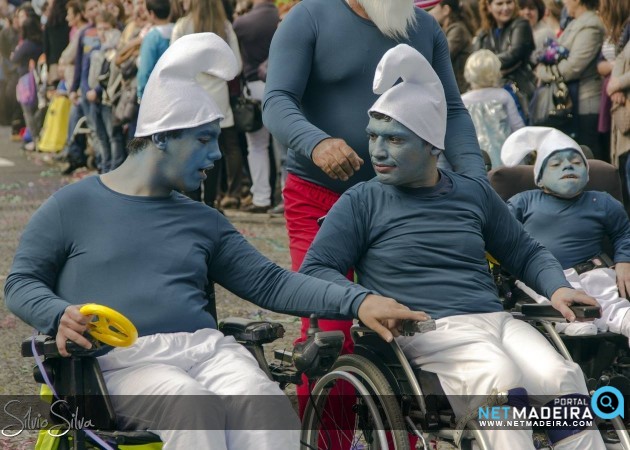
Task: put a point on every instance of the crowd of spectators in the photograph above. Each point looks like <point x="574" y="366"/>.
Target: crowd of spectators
<point x="79" y="68"/>
<point x="98" y="54"/>
<point x="593" y="34"/>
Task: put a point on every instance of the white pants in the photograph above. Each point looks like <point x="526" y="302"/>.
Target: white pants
<point x="258" y="154"/>
<point x="199" y="390"/>
<point x="602" y="285"/>
<point x="473" y="355"/>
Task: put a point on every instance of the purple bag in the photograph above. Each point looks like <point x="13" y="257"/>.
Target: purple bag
<point x="26" y="90"/>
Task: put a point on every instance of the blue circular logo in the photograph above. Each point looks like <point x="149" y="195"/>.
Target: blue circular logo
<point x="608" y="402"/>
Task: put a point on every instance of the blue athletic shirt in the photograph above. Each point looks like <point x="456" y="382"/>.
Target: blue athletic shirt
<point x="426" y="247"/>
<point x="573" y="229"/>
<point x="149" y="258"/>
<point x="319" y="84"/>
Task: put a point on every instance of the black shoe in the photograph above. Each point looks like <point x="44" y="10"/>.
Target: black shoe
<point x="68" y="168"/>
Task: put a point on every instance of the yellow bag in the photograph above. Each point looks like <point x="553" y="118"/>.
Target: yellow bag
<point x="55" y="131"/>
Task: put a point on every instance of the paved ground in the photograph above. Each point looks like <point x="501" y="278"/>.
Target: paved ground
<point x="26" y="180"/>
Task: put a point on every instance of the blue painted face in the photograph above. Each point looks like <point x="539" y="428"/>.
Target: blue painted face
<point x="399" y="156"/>
<point x="188" y="155"/>
<point x="564" y="174"/>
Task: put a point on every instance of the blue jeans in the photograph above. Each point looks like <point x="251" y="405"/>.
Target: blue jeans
<point x="115" y="138"/>
<point x="102" y="146"/>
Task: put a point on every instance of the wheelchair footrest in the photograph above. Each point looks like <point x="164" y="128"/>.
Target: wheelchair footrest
<point x="253" y="331"/>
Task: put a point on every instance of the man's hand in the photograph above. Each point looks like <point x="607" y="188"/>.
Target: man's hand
<point x="565" y="297"/>
<point x="74" y="97"/>
<point x="71" y="327"/>
<point x="384" y="315"/>
<point x="623" y="278"/>
<point x="336" y="159"/>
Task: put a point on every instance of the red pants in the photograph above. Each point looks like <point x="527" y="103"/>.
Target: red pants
<point x="304" y="203"/>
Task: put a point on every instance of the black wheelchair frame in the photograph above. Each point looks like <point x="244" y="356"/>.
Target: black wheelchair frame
<point x="79" y="382"/>
<point x="393" y="401"/>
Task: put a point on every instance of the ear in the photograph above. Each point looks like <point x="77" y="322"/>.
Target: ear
<point x="159" y="140"/>
<point x="434" y="151"/>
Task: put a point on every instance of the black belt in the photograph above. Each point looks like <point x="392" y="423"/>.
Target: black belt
<point x="597" y="262"/>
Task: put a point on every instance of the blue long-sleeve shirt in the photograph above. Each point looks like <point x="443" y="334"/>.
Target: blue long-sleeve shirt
<point x="426" y="247"/>
<point x="26" y="51"/>
<point x="573" y="229"/>
<point x="151" y="259"/>
<point x="153" y="46"/>
<point x="88" y="41"/>
<point x="319" y="84"/>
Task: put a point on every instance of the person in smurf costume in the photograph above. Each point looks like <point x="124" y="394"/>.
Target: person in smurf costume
<point x="128" y="239"/>
<point x="572" y="223"/>
<point x="420" y="234"/>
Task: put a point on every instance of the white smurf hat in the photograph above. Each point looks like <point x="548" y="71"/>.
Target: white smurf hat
<point x="173" y="99"/>
<point x="544" y="140"/>
<point x="418" y="101"/>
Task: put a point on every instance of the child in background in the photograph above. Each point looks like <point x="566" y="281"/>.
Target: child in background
<point x="491" y="107"/>
<point x="571" y="223"/>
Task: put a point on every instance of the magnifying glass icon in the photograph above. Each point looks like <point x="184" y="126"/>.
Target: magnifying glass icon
<point x="605" y="401"/>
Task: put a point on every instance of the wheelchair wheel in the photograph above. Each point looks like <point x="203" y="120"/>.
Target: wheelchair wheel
<point x="378" y="421"/>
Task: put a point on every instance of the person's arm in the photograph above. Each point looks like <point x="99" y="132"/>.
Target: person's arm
<point x="618" y="229"/>
<point x="462" y="147"/>
<point x="516" y="121"/>
<point x="23" y="53"/>
<point x="585" y="48"/>
<point x="521" y="255"/>
<point x="340" y="242"/>
<point x="457" y="39"/>
<point x="178" y="29"/>
<point x="232" y="41"/>
<point x="78" y="61"/>
<point x="46" y="43"/>
<point x="620" y="80"/>
<point x="516" y="205"/>
<point x="290" y="60"/>
<point x="148" y="60"/>
<point x="40" y="256"/>
<point x="522" y="46"/>
<point x="241" y="269"/>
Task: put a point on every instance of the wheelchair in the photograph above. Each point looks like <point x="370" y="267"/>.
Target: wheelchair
<point x="605" y="354"/>
<point x="75" y="388"/>
<point x="392" y="401"/>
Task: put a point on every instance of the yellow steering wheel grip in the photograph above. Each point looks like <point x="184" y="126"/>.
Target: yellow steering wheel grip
<point x="109" y="326"/>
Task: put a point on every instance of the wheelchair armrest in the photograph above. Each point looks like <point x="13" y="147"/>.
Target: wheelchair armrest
<point x="549" y="312"/>
<point x="251" y="331"/>
<point x="44" y="346"/>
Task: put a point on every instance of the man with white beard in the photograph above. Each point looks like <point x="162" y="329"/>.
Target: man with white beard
<point x="319" y="85"/>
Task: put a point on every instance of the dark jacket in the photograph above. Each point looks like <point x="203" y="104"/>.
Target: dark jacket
<point x="513" y="45"/>
<point x="56" y="39"/>
<point x="254" y="31"/>
<point x="459" y="46"/>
